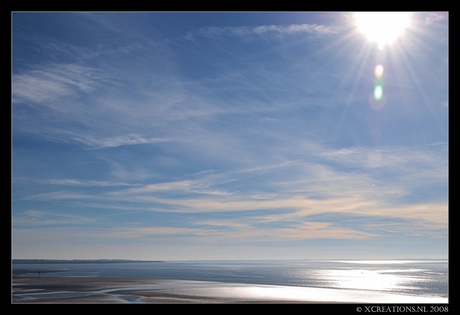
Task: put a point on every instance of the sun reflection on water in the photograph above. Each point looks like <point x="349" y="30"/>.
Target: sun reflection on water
<point x="365" y="279"/>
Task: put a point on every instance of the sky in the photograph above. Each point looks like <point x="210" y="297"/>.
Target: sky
<point x="228" y="135"/>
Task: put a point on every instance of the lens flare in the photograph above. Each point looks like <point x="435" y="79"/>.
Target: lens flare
<point x="378" y="71"/>
<point x="378" y="87"/>
<point x="378" y="92"/>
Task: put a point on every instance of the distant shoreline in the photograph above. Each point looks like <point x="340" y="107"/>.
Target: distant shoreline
<point x="79" y="261"/>
<point x="72" y="261"/>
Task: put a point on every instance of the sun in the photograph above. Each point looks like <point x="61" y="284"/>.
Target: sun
<point x="382" y="27"/>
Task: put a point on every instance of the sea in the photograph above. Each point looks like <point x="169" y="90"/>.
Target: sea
<point x="349" y="281"/>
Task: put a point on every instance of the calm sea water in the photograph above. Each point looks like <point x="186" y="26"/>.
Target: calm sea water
<point x="416" y="278"/>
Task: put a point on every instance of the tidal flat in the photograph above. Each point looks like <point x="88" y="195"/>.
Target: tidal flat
<point x="95" y="290"/>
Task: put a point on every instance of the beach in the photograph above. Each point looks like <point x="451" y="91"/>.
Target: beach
<point x="99" y="290"/>
<point x="114" y="290"/>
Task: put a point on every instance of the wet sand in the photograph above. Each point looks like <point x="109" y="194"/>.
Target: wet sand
<point x="97" y="290"/>
<point x="59" y="290"/>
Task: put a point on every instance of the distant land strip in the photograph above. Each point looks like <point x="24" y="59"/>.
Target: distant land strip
<point x="78" y="261"/>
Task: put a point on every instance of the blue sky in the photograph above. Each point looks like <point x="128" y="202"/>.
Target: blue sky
<point x="218" y="135"/>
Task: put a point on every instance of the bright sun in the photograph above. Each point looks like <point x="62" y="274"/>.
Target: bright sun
<point x="382" y="27"/>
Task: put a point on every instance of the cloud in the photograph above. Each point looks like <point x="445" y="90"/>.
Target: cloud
<point x="406" y="227"/>
<point x="251" y="230"/>
<point x="75" y="104"/>
<point x="55" y="81"/>
<point x="200" y="186"/>
<point x="263" y="30"/>
<point x="292" y="209"/>
<point x="330" y="181"/>
<point x="212" y="232"/>
<point x="39" y="218"/>
<point x="83" y="183"/>
<point x="174" y="186"/>
<point x="150" y="231"/>
<point x="94" y="142"/>
<point x="245" y="219"/>
<point x="434" y="17"/>
<point x="58" y="195"/>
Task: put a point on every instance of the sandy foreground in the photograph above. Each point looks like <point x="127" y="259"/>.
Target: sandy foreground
<point x="59" y="290"/>
<point x="96" y="290"/>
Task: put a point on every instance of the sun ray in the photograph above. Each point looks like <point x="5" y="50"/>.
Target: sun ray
<point x="406" y="64"/>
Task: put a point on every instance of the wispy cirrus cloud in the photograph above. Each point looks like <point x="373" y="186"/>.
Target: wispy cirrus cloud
<point x="83" y="183"/>
<point x="94" y="142"/>
<point x="47" y="84"/>
<point x="203" y="185"/>
<point x="303" y="229"/>
<point x="434" y="17"/>
<point x="263" y="30"/>
<point x="245" y="218"/>
<point x="58" y="196"/>
<point x="251" y="233"/>
<point x="295" y="189"/>
<point x="275" y="210"/>
<point x="48" y="218"/>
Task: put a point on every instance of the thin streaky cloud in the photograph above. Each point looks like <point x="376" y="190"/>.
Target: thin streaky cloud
<point x="292" y="230"/>
<point x="301" y="207"/>
<point x="54" y="81"/>
<point x="175" y="186"/>
<point x="94" y="142"/>
<point x="335" y="189"/>
<point x="301" y="231"/>
<point x="57" y="195"/>
<point x="263" y="30"/>
<point x="409" y="227"/>
<point x="40" y="218"/>
<point x="434" y="17"/>
<point x="84" y="183"/>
